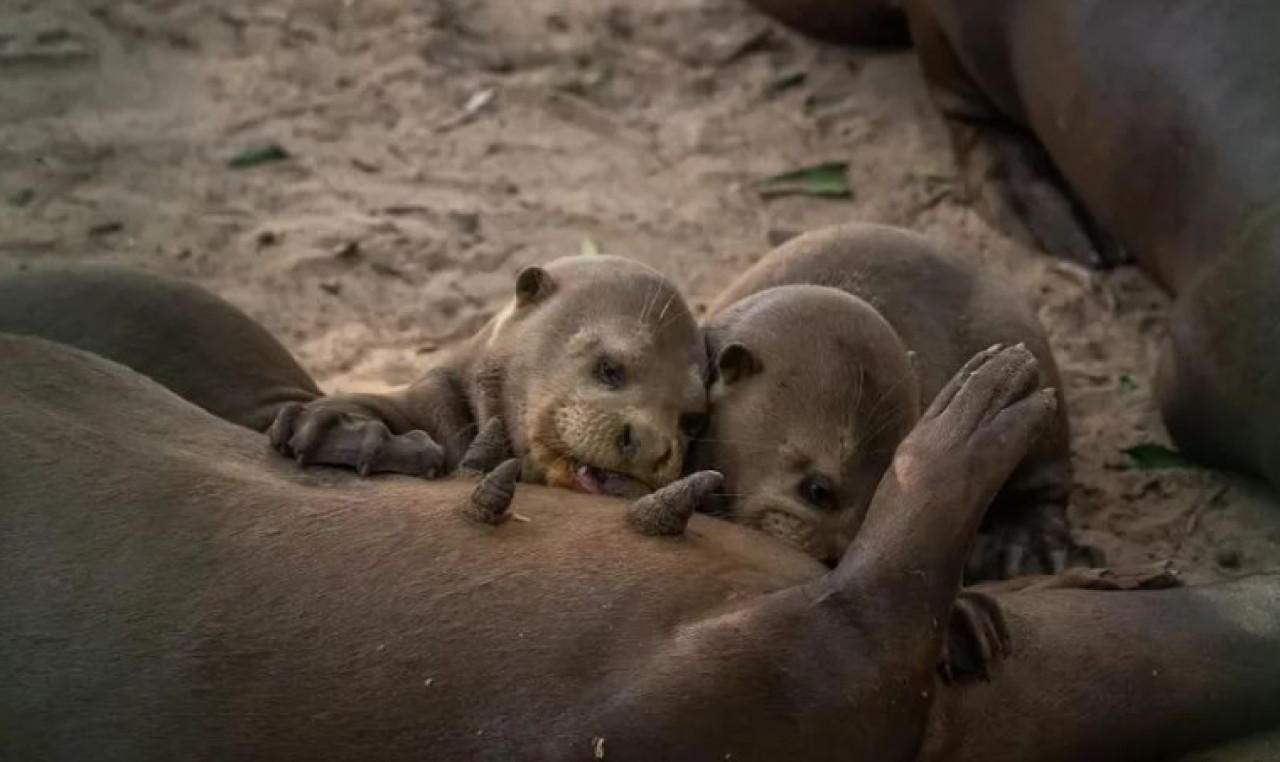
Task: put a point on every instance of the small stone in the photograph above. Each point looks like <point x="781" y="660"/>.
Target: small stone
<point x="467" y="223"/>
<point x="557" y="23"/>
<point x="268" y="238"/>
<point x="348" y="252"/>
<point x="330" y="286"/>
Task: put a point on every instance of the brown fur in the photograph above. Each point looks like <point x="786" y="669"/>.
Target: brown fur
<point x="199" y="346"/>
<point x="170" y="590"/>
<point x="1160" y="117"/>
<point x="851" y="327"/>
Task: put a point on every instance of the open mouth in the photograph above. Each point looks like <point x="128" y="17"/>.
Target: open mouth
<point x="598" y="481"/>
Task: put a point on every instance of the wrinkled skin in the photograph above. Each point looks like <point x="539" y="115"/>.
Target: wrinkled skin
<point x="845" y="331"/>
<point x="594" y="368"/>
<point x="172" y="590"/>
<point x="1098" y="130"/>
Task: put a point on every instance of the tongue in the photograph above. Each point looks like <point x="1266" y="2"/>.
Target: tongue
<point x="600" y="482"/>
<point x="585" y="478"/>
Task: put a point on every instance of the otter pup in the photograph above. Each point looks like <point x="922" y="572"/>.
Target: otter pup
<point x="824" y="352"/>
<point x="594" y="369"/>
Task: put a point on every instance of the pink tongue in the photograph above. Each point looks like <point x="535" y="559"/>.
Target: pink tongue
<point x="586" y="480"/>
<point x="599" y="482"/>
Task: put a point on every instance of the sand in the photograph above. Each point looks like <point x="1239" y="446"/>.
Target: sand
<point x="435" y="150"/>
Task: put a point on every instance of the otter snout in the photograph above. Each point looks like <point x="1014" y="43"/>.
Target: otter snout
<point x="650" y="449"/>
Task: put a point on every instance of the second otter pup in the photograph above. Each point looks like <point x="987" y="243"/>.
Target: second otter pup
<point x="826" y="351"/>
<point x="595" y="368"/>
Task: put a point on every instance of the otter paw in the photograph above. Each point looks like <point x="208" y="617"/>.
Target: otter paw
<point x="976" y="431"/>
<point x="990" y="409"/>
<point x="977" y="638"/>
<point x="321" y="435"/>
<point x="1035" y="540"/>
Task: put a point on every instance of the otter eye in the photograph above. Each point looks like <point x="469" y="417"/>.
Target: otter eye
<point x="693" y="424"/>
<point x="818" y="491"/>
<point x="609" y="373"/>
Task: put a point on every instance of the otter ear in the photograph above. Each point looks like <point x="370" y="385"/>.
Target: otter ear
<point x="533" y="285"/>
<point x="736" y="363"/>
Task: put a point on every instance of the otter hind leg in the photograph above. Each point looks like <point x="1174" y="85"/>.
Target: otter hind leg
<point x="1004" y="172"/>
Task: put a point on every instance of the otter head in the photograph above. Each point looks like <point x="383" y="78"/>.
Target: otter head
<point x="601" y="365"/>
<point x="811" y="392"/>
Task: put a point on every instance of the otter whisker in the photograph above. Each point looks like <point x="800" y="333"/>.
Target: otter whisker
<point x="650" y="298"/>
<point x="741" y="442"/>
<point x="884" y="395"/>
<point x="662" y="314"/>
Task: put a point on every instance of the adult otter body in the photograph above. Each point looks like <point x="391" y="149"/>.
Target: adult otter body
<point x="170" y="589"/>
<point x="594" y="368"/>
<point x="1160" y="117"/>
<point x="825" y="350"/>
<point x="866" y="22"/>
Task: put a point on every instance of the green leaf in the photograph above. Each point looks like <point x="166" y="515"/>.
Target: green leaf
<point x="826" y="180"/>
<point x="589" y="248"/>
<point x="1127" y="384"/>
<point x="254" y="156"/>
<point x="1150" y="456"/>
<point x="52" y="36"/>
<point x="22" y="197"/>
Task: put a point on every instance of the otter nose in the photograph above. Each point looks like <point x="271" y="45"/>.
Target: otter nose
<point x="628" y="443"/>
<point x="646" y="446"/>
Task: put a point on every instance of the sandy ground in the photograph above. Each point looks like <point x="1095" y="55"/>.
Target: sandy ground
<point x="434" y="151"/>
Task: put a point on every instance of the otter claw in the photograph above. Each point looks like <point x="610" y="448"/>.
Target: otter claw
<point x="1032" y="540"/>
<point x="281" y="429"/>
<point x="375" y="438"/>
<point x="331" y="436"/>
<point x="488" y="450"/>
<point x="666" y="513"/>
<point x="490" y="501"/>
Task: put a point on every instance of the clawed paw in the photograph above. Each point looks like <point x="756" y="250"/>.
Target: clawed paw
<point x="1031" y="540"/>
<point x="319" y="434"/>
<point x="978" y="428"/>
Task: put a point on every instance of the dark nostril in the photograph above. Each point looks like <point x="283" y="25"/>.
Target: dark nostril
<point x="664" y="459"/>
<point x="627" y="440"/>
